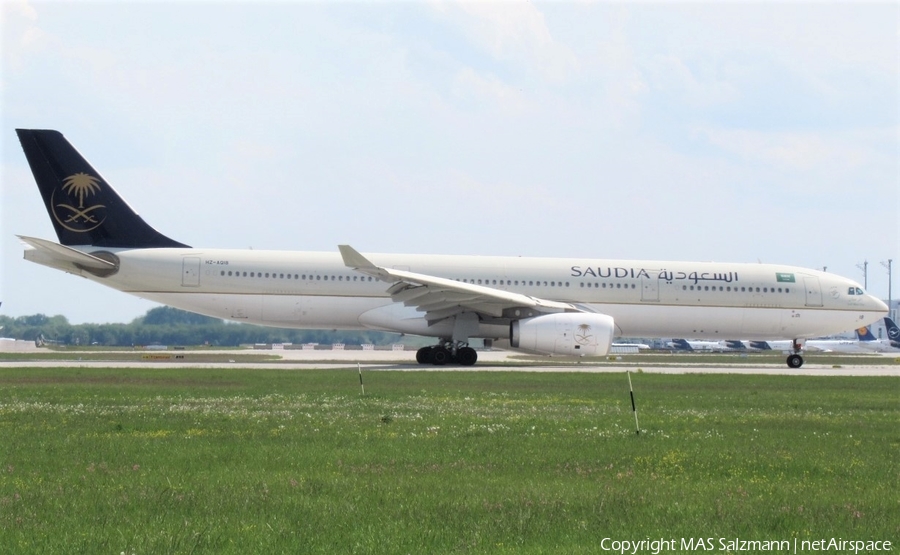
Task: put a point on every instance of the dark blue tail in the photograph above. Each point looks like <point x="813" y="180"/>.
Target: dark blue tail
<point x="893" y="332"/>
<point x="83" y="207"/>
<point x="681" y="345"/>
<point x="865" y="334"/>
<point x="761" y="345"/>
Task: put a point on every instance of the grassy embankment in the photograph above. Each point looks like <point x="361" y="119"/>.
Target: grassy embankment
<point x="259" y="461"/>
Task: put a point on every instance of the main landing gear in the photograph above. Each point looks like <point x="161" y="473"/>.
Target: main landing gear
<point x="795" y="360"/>
<point x="447" y="353"/>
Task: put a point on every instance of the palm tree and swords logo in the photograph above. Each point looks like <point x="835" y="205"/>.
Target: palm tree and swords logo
<point x="79" y="218"/>
<point x="583" y="335"/>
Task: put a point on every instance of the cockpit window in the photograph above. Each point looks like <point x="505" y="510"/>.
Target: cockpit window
<point x="859" y="291"/>
<point x="855" y="291"/>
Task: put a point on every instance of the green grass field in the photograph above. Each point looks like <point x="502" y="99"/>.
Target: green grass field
<point x="285" y="461"/>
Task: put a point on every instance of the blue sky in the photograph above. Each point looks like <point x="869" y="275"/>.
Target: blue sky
<point x="735" y="131"/>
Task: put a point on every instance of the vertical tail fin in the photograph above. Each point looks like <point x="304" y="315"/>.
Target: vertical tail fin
<point x="865" y="334"/>
<point x="681" y="345"/>
<point x="83" y="207"/>
<point x="893" y="332"/>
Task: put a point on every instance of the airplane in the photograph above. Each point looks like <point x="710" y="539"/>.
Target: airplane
<point x="629" y="345"/>
<point x="869" y="342"/>
<point x="549" y="306"/>
<point x="696" y="345"/>
<point x="865" y="342"/>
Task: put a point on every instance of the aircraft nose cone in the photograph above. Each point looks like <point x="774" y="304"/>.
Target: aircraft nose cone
<point x="879" y="305"/>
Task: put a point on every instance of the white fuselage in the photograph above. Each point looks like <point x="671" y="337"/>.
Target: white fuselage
<point x="645" y="298"/>
<point x="837" y="346"/>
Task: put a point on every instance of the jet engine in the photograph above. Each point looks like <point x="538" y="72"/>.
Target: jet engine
<point x="570" y="333"/>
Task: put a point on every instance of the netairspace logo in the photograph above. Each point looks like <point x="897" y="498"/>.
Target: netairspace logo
<point x="733" y="545"/>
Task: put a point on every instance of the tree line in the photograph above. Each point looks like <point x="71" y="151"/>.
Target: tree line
<point x="170" y="326"/>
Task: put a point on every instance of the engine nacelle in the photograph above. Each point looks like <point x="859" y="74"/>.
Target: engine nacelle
<point x="570" y="333"/>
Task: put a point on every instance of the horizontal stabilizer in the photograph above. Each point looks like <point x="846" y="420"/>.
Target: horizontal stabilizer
<point x="62" y="253"/>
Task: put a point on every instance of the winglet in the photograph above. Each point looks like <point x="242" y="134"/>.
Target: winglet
<point x="352" y="258"/>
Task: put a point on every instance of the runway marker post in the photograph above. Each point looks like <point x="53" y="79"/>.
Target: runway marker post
<point x="637" y="429"/>
<point x="361" y="386"/>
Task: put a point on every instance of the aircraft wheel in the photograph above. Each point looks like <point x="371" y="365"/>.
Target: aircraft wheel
<point x="794" y="361"/>
<point x="425" y="355"/>
<point x="467" y="356"/>
<point x="440" y="356"/>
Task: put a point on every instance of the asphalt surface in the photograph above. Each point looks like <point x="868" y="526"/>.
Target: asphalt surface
<point x="488" y="361"/>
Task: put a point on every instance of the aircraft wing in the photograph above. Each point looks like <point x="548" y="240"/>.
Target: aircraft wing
<point x="442" y="298"/>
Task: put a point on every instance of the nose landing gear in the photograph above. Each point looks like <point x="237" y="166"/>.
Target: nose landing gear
<point x="795" y="360"/>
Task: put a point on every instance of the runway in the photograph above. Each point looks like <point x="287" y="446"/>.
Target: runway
<point x="488" y="361"/>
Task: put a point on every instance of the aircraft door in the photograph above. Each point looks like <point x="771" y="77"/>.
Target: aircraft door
<point x="813" y="291"/>
<point x="190" y="274"/>
<point x="650" y="287"/>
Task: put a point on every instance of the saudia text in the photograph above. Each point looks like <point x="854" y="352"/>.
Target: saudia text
<point x="638" y="273"/>
<point x="732" y="545"/>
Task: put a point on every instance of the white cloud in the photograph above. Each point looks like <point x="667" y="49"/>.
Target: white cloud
<point x="670" y="75"/>
<point x="793" y="150"/>
<point x="490" y="90"/>
<point x="21" y="34"/>
<point x="514" y="32"/>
